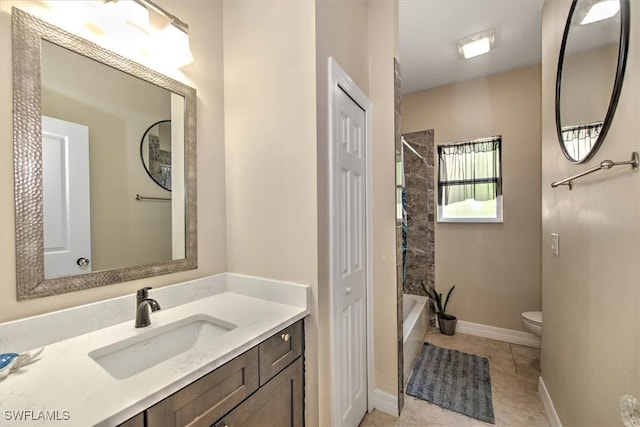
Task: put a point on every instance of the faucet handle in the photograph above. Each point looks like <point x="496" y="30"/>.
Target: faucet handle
<point x="143" y="292"/>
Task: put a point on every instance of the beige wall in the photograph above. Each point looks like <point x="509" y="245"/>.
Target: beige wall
<point x="277" y="168"/>
<point x="205" y="74"/>
<point x="495" y="267"/>
<point x="341" y="33"/>
<point x="585" y="106"/>
<point x="341" y="29"/>
<point x="270" y="123"/>
<point x="383" y="47"/>
<point x="591" y="292"/>
<point x="361" y="36"/>
<point x="270" y="137"/>
<point x="124" y="232"/>
<point x="274" y="117"/>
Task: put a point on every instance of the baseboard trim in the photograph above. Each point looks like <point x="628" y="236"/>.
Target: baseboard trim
<point x="500" y="334"/>
<point x="385" y="402"/>
<point x="552" y="415"/>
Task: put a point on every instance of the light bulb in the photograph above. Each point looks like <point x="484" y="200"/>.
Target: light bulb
<point x="477" y="44"/>
<point x="174" y="45"/>
<point x="476" y="48"/>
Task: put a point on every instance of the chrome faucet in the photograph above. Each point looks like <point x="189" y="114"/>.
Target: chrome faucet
<point x="143" y="304"/>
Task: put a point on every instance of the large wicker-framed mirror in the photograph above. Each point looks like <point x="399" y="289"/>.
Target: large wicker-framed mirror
<point x="67" y="89"/>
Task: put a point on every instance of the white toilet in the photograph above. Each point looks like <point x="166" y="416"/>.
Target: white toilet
<point x="532" y="322"/>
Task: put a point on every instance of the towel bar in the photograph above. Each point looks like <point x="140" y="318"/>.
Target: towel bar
<point x="606" y="164"/>
<point x="158" y="199"/>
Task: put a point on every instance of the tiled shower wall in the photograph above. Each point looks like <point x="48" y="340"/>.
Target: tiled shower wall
<point x="397" y="100"/>
<point x="419" y="187"/>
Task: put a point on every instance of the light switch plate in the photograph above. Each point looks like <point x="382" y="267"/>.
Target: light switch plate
<point x="555" y="244"/>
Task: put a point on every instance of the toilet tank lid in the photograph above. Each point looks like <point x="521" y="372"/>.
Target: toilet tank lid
<point x="533" y="316"/>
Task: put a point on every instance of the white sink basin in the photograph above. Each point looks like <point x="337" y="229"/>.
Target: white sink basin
<point x="136" y="354"/>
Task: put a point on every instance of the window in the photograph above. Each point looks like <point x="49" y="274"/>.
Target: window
<point x="579" y="140"/>
<point x="470" y="181"/>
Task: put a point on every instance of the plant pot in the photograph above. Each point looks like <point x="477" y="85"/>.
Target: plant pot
<point x="447" y="324"/>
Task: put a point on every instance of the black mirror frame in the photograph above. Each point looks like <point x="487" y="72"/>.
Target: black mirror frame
<point x="617" y="85"/>
<point x="146" y="168"/>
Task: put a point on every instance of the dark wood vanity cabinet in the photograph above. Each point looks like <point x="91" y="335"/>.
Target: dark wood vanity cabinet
<point x="278" y="403"/>
<point x="277" y="352"/>
<point x="206" y="400"/>
<point x="261" y="387"/>
<point x="137" y="421"/>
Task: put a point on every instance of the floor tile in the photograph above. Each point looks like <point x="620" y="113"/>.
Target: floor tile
<point x="514" y="371"/>
<point x="527" y="360"/>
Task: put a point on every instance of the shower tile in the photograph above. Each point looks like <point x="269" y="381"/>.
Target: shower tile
<point x="419" y="205"/>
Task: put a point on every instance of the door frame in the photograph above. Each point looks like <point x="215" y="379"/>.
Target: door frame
<point x="340" y="80"/>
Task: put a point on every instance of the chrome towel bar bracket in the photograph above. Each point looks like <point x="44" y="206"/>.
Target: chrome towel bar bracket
<point x="606" y="164"/>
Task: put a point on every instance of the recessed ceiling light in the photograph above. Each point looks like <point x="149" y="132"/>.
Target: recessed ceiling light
<point x="601" y="11"/>
<point x="477" y="44"/>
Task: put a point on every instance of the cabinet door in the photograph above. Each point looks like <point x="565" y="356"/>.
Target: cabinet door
<point x="279" y="351"/>
<point x="137" y="421"/>
<point x="203" y="402"/>
<point x="277" y="404"/>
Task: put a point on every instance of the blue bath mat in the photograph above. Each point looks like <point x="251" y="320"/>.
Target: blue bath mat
<point x="453" y="380"/>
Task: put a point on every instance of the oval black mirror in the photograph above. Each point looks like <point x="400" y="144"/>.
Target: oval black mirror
<point x="155" y="153"/>
<point x="591" y="69"/>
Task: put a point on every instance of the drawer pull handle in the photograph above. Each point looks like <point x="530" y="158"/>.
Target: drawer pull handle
<point x="285" y="337"/>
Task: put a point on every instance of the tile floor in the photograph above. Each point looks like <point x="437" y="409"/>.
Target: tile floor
<point x="514" y="382"/>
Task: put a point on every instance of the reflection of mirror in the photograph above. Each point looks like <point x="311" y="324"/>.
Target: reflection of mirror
<point x="108" y="104"/>
<point x="590" y="73"/>
<point x="155" y="152"/>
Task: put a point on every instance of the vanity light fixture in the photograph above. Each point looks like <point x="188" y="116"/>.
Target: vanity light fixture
<point x="600" y="11"/>
<point x="130" y="12"/>
<point x="165" y="33"/>
<point x="174" y="40"/>
<point x="477" y="44"/>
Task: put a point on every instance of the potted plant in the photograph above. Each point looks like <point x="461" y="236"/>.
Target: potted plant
<point x="447" y="322"/>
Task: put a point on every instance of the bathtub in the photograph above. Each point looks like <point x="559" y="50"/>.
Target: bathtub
<point x="414" y="328"/>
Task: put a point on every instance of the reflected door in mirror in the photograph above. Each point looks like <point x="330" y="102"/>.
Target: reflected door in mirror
<point x="66" y="211"/>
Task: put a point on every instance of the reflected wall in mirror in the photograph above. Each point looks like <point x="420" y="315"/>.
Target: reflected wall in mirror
<point x="79" y="111"/>
<point x="590" y="74"/>
<point x="155" y="153"/>
<point x="114" y="107"/>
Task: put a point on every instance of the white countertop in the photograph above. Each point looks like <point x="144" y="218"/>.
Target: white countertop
<point x="65" y="378"/>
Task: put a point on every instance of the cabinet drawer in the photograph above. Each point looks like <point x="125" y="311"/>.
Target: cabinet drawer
<point x="209" y="398"/>
<point x="277" y="352"/>
<point x="277" y="404"/>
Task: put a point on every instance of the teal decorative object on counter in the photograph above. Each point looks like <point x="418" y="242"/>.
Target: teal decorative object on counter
<point x="11" y="362"/>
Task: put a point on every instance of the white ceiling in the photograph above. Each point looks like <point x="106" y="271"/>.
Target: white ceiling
<point x="429" y="30"/>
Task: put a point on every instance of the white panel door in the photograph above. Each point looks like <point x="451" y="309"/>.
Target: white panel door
<point x="351" y="262"/>
<point x="66" y="211"/>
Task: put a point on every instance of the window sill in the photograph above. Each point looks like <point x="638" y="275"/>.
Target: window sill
<point x="471" y="220"/>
